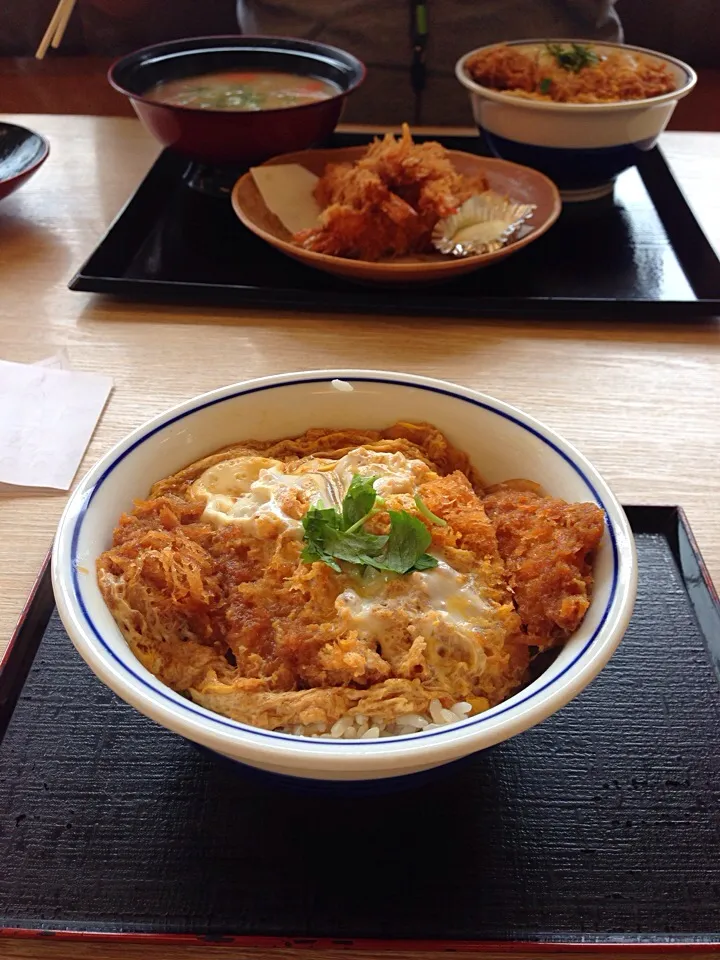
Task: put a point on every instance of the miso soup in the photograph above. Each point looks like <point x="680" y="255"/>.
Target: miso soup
<point x="245" y="91"/>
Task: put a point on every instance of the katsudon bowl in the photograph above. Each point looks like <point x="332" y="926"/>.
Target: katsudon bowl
<point x="582" y="147"/>
<point x="502" y="442"/>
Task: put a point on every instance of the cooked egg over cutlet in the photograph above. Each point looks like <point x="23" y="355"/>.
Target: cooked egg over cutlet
<point x="207" y="582"/>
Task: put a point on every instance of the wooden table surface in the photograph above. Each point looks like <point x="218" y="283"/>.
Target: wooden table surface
<point x="641" y="401"/>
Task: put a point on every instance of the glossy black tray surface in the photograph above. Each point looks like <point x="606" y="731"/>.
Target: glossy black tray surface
<point x="599" y="827"/>
<point x="639" y="254"/>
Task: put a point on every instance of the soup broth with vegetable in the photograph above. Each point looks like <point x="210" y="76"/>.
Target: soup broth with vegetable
<point x="243" y="91"/>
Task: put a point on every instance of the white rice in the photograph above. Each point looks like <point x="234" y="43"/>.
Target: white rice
<point x="361" y="727"/>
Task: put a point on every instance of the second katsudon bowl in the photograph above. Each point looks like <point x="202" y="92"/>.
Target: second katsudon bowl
<point x="233" y="99"/>
<point x="498" y="440"/>
<point x="580" y="111"/>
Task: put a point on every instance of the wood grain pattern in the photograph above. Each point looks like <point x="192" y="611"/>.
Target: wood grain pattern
<point x="642" y="402"/>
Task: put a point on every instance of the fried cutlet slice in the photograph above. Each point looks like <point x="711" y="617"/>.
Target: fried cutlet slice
<point x="470" y="544"/>
<point x="504" y="68"/>
<point x="548" y="547"/>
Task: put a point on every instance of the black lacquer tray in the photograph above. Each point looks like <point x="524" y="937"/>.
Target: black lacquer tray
<point x="597" y="829"/>
<point x="640" y="254"/>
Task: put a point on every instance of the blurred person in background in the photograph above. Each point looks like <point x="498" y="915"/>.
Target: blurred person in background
<point x="409" y="46"/>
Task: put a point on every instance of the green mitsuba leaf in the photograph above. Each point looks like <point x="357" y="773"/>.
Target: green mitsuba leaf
<point x="408" y="540"/>
<point x="359" y="500"/>
<point x="331" y="535"/>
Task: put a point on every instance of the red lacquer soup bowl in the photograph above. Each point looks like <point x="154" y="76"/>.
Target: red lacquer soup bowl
<point x="233" y="136"/>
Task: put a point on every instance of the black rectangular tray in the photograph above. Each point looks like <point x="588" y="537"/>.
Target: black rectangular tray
<point x="640" y="254"/>
<point x="598" y="829"/>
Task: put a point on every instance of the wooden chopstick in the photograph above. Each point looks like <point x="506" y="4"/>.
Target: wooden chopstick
<point x="50" y="32"/>
<point x="62" y="26"/>
<point x="56" y="28"/>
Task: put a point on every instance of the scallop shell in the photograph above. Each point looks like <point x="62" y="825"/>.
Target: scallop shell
<point x="482" y="224"/>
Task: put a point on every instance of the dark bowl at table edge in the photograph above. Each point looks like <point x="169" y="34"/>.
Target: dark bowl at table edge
<point x="8" y="184"/>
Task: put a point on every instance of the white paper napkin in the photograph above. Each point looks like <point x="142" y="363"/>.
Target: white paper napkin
<point x="57" y="362"/>
<point x="47" y="417"/>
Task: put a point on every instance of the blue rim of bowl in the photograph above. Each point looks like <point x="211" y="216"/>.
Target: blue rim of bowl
<point x="291" y="738"/>
<point x="503" y="96"/>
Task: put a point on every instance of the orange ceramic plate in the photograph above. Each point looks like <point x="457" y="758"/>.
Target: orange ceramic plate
<point x="519" y="183"/>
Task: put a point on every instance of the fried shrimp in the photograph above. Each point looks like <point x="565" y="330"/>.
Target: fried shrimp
<point x="387" y="203"/>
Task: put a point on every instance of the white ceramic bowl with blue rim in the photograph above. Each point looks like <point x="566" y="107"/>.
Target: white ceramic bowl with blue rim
<point x="581" y="146"/>
<point x="502" y="441"/>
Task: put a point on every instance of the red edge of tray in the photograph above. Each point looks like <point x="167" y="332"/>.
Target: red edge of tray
<point x="20" y="626"/>
<point x="615" y="949"/>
